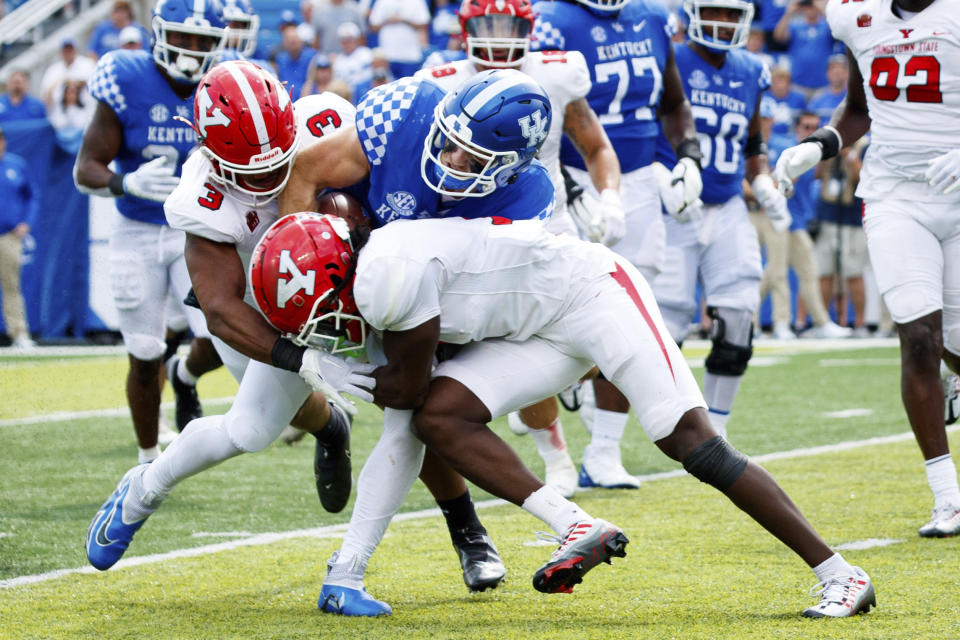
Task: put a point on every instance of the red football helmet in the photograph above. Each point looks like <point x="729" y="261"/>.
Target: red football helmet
<point x="301" y="275"/>
<point x="244" y="119"/>
<point x="497" y="32"/>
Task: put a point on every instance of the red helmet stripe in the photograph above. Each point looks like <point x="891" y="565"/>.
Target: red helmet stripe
<point x="251" y="99"/>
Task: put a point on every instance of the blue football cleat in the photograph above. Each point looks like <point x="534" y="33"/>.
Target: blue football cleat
<point x="108" y="535"/>
<point x="351" y="602"/>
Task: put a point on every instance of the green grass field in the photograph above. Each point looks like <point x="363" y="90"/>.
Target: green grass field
<point x="695" y="568"/>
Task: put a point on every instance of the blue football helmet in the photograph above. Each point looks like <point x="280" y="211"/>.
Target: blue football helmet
<point x="485" y="133"/>
<point x="244" y="23"/>
<point x="707" y="32"/>
<point x="178" y="22"/>
<point x="604" y="5"/>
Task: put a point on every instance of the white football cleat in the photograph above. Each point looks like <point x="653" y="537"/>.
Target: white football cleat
<point x="842" y="596"/>
<point x="829" y="329"/>
<point x="944" y="522"/>
<point x="602" y="468"/>
<point x="782" y="331"/>
<point x="516" y="424"/>
<point x="561" y="474"/>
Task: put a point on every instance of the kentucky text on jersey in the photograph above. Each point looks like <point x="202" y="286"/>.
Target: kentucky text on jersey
<point x="171" y="134"/>
<point x="713" y="99"/>
<point x="623" y="49"/>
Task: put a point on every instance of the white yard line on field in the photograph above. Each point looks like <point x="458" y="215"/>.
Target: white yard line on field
<point x="117" y="412"/>
<point x="335" y="530"/>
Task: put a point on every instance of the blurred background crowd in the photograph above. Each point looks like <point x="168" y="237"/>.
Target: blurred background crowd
<point x="48" y="49"/>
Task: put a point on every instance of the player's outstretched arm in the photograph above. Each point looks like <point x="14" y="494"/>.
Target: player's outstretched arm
<point x="675" y="113"/>
<point x="335" y="161"/>
<point x="220" y="283"/>
<point x="101" y="143"/>
<point x="758" y="175"/>
<point x="404" y="381"/>
<point x="851" y="118"/>
<point x="850" y="121"/>
<point x="581" y="125"/>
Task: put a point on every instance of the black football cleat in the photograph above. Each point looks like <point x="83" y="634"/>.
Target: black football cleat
<point x="331" y="461"/>
<point x="187" y="402"/>
<point x="585" y="545"/>
<point x="482" y="567"/>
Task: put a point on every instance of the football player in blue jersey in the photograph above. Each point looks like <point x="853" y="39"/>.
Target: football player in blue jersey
<point x="476" y="149"/>
<point x="719" y="248"/>
<point x="134" y="129"/>
<point x="635" y="86"/>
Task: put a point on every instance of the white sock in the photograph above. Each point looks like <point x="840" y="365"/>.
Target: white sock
<point x="184" y="374"/>
<point x="204" y="444"/>
<point x="383" y="484"/>
<point x="832" y="566"/>
<point x="608" y="428"/>
<point x="720" y="391"/>
<point x="942" y="478"/>
<point x="557" y="512"/>
<point x="148" y="455"/>
<point x="550" y="442"/>
<point x="719" y="422"/>
<point x="346" y="572"/>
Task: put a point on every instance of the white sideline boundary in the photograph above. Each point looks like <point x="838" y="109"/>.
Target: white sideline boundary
<point x="332" y="531"/>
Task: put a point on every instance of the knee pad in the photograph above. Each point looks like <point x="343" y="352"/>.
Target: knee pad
<point x="143" y="346"/>
<point x="247" y="431"/>
<point x="716" y="462"/>
<point x="731" y="329"/>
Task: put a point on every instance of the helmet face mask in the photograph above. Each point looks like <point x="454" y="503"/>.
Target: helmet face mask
<point x="604" y="5"/>
<point x="476" y="180"/>
<point x="187" y="37"/>
<point x="247" y="128"/>
<point x="709" y="31"/>
<point x="301" y="276"/>
<point x="496" y="32"/>
<point x="484" y="134"/>
<point x="244" y="25"/>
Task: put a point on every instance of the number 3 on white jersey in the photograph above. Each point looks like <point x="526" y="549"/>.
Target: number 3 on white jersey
<point x="620" y="68"/>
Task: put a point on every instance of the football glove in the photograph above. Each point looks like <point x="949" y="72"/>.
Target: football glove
<point x="615" y="221"/>
<point x="587" y="213"/>
<point x="671" y="196"/>
<point x="772" y="201"/>
<point x="944" y="172"/>
<point x="153" y="180"/>
<point x="332" y="376"/>
<point x="686" y="175"/>
<point x="794" y="162"/>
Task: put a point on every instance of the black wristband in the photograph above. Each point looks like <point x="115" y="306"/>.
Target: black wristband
<point x="690" y="148"/>
<point x="755" y="147"/>
<point x="828" y="139"/>
<point x="116" y="184"/>
<point x="286" y="355"/>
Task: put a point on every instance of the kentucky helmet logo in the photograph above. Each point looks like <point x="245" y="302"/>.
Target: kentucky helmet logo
<point x="533" y="128"/>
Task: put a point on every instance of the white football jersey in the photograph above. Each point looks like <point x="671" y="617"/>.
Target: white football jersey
<point x="564" y="77"/>
<point x="206" y="208"/>
<point x="485" y="279"/>
<point x="911" y="76"/>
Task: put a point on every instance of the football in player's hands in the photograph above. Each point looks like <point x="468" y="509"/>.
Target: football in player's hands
<point x="344" y="206"/>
